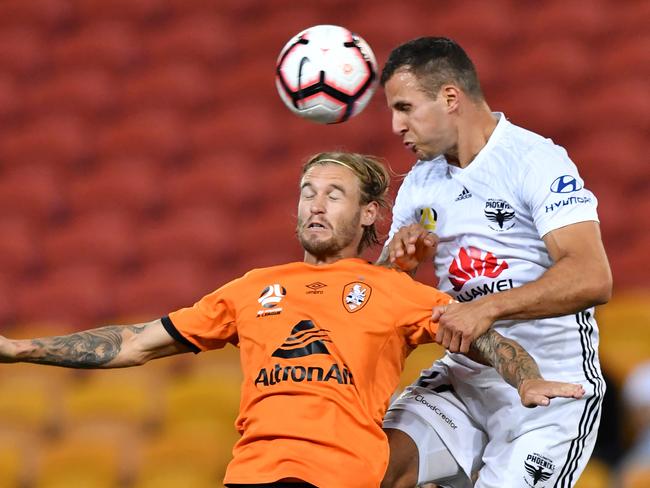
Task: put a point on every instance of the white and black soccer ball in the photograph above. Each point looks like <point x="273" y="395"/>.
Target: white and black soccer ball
<point x="326" y="74"/>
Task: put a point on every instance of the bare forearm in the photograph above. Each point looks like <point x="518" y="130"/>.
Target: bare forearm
<point x="506" y="356"/>
<point x="567" y="287"/>
<point x="97" y="348"/>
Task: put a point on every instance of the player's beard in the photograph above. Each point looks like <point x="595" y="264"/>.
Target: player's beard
<point x="342" y="236"/>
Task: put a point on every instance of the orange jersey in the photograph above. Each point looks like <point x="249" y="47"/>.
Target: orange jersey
<point x="322" y="349"/>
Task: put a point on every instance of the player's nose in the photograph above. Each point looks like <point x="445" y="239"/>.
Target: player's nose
<point x="399" y="125"/>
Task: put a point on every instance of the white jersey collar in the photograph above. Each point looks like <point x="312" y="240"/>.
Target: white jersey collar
<point x="484" y="153"/>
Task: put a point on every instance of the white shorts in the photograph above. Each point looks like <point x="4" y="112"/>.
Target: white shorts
<point x="480" y="419"/>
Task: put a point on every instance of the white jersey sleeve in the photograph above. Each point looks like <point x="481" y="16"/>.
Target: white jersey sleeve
<point x="554" y="191"/>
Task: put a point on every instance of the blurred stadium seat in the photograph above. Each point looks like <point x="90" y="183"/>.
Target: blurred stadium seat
<point x="88" y="92"/>
<point x="141" y="13"/>
<point x="161" y="287"/>
<point x="23" y="53"/>
<point x="90" y="460"/>
<point x="183" y="458"/>
<point x="636" y="477"/>
<point x="181" y="86"/>
<point x="30" y="192"/>
<point x="155" y="134"/>
<point x="224" y="180"/>
<point x="45" y="15"/>
<point x="584" y="19"/>
<point x="596" y="475"/>
<point x="625" y="333"/>
<point x="101" y="240"/>
<point x="202" y="234"/>
<point x="122" y="184"/>
<point x="202" y="40"/>
<point x="78" y="295"/>
<point x="116" y="46"/>
<point x="20" y="253"/>
<point x="47" y="144"/>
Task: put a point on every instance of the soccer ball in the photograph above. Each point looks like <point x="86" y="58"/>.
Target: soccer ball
<point x="326" y="74"/>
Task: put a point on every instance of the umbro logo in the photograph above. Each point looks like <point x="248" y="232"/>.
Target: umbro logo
<point x="464" y="195"/>
<point x="305" y="339"/>
<point x="315" y="288"/>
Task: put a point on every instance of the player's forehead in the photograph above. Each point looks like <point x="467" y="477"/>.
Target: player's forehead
<point x="403" y="87"/>
<point x="330" y="175"/>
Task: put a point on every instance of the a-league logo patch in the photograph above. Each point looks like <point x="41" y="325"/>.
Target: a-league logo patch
<point x="538" y="470"/>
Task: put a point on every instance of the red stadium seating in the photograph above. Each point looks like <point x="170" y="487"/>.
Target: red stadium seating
<point x="158" y="134"/>
<point x="31" y="192"/>
<point x="141" y="12"/>
<point x="102" y="240"/>
<point x="80" y="296"/>
<point x="88" y="92"/>
<point x="23" y="52"/>
<point x="46" y="15"/>
<point x="181" y="86"/>
<point x="161" y="287"/>
<point x="208" y="41"/>
<point x="127" y="185"/>
<point x="54" y="141"/>
<point x="192" y="233"/>
<point x="112" y="45"/>
<point x="222" y="180"/>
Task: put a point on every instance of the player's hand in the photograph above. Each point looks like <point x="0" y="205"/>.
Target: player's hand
<point x="410" y="246"/>
<point x="460" y="323"/>
<point x="539" y="392"/>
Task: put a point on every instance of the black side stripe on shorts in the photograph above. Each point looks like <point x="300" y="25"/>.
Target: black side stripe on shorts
<point x="592" y="405"/>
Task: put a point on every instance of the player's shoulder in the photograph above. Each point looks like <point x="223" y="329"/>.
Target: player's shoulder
<point x="426" y="172"/>
<point x="527" y="148"/>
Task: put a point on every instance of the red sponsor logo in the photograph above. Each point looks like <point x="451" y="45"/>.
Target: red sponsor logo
<point x="472" y="262"/>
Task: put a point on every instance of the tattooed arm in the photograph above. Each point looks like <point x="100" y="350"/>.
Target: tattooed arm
<point x="113" y="346"/>
<point x="519" y="369"/>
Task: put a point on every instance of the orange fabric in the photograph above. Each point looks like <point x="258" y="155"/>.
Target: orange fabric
<point x="322" y="349"/>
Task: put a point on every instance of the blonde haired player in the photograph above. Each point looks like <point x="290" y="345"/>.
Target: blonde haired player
<point x="322" y="341"/>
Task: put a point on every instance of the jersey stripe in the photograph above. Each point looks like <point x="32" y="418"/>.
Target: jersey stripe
<point x="591" y="412"/>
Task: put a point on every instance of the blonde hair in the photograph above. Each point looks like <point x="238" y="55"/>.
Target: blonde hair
<point x="374" y="180"/>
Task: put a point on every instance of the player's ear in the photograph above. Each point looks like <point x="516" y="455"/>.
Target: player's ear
<point x="369" y="213"/>
<point x="451" y="96"/>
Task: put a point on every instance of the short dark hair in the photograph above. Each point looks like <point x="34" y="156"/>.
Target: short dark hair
<point x="435" y="61"/>
<point x="374" y="180"/>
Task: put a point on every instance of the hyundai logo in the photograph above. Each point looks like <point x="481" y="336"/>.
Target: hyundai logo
<point x="565" y="184"/>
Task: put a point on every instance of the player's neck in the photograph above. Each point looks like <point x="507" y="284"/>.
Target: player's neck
<point x="328" y="259"/>
<point x="474" y="130"/>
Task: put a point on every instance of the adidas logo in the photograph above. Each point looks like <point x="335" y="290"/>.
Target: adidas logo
<point x="465" y="194"/>
<point x="305" y="339"/>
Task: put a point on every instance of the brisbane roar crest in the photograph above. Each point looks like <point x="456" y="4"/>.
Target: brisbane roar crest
<point x="355" y="296"/>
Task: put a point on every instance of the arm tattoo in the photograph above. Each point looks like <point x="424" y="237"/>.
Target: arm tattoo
<point x="88" y="349"/>
<point x="508" y="357"/>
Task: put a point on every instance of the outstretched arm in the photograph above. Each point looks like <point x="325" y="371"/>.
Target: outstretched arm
<point x="113" y="346"/>
<point x="520" y="370"/>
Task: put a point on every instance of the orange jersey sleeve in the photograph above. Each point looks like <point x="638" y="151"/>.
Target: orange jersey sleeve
<point x="210" y="323"/>
<point x="416" y="301"/>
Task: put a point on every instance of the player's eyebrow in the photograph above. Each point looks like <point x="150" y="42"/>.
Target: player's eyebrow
<point x="330" y="187"/>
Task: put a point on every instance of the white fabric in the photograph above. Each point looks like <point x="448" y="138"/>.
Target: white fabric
<point x="435" y="461"/>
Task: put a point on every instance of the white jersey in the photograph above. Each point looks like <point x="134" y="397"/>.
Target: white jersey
<point x="491" y="217"/>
